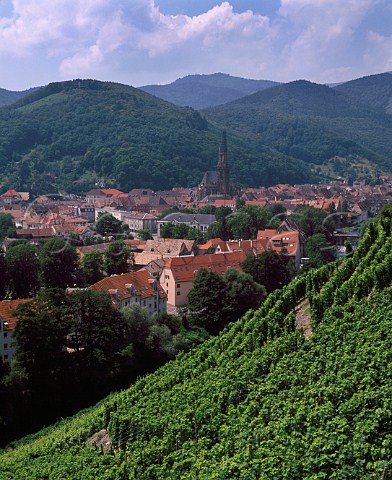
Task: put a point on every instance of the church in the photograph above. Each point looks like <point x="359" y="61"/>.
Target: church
<point x="216" y="184"/>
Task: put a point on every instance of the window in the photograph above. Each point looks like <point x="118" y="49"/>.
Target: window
<point x="5" y="346"/>
<point x="178" y="285"/>
<point x="5" y="334"/>
<point x="178" y="293"/>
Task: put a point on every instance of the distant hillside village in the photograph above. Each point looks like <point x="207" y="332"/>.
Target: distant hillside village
<point x="162" y="269"/>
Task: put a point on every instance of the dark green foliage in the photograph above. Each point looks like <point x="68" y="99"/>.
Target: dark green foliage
<point x="117" y="258"/>
<point x="70" y="134"/>
<point x="269" y="269"/>
<point x="310" y="122"/>
<point x="258" y="401"/>
<point x="98" y="333"/>
<point x="216" y="301"/>
<point x="40" y="335"/>
<point x="3" y="275"/>
<point x="23" y="270"/>
<point x="92" y="267"/>
<point x="8" y="96"/>
<point x="181" y="231"/>
<point x="206" y="301"/>
<point x="7" y="226"/>
<point x="106" y="225"/>
<point x="59" y="264"/>
<point x="373" y="90"/>
<point x="311" y="220"/>
<point x="144" y="234"/>
<point x="242" y="294"/>
<point x="319" y="250"/>
<point x="245" y="223"/>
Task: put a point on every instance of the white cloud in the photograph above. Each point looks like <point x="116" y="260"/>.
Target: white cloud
<point x="322" y="40"/>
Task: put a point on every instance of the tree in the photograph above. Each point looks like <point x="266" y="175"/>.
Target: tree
<point x="242" y="293"/>
<point x="220" y="229"/>
<point x="107" y="224"/>
<point x="59" y="264"/>
<point x="40" y="336"/>
<point x="3" y="275"/>
<point x="117" y="258"/>
<point x="245" y="223"/>
<point x="311" y="220"/>
<point x="97" y="333"/>
<point x="7" y="226"/>
<point x="144" y="234"/>
<point x="23" y="270"/>
<point x="92" y="267"/>
<point x="241" y="227"/>
<point x="269" y="269"/>
<point x="206" y="301"/>
<point x="167" y="230"/>
<point x="319" y="250"/>
<point x="152" y="342"/>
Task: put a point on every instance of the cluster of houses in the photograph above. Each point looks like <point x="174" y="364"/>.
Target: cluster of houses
<point x="163" y="270"/>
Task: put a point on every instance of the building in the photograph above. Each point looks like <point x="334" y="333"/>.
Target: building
<point x="217" y="182"/>
<point x="163" y="249"/>
<point x="134" y="288"/>
<point x="140" y="221"/>
<point x="287" y="242"/>
<point x="8" y="321"/>
<point x="179" y="273"/>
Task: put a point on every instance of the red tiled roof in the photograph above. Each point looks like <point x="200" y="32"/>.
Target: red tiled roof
<point x="111" y="191"/>
<point x="11" y="194"/>
<point x="7" y="309"/>
<point x="278" y="241"/>
<point x="35" y="232"/>
<point x="119" y="285"/>
<point x="184" y="269"/>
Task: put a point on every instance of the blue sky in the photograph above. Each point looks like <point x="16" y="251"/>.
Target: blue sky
<point x="139" y="42"/>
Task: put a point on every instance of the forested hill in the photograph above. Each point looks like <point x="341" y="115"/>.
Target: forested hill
<point x="202" y="91"/>
<point x="260" y="401"/>
<point x="373" y="90"/>
<point x="10" y="96"/>
<point x="311" y="122"/>
<point x="70" y="134"/>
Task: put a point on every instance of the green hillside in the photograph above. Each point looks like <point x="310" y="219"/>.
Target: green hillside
<point x="9" y="96"/>
<point x="203" y="91"/>
<point x="69" y="135"/>
<point x="373" y="90"/>
<point x="260" y="401"/>
<point x="311" y="122"/>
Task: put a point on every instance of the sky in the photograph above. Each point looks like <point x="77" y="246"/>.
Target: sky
<point x="142" y="42"/>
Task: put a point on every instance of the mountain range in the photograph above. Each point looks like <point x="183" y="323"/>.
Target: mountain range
<point x="73" y="134"/>
<point x="8" y="96"/>
<point x="202" y="91"/>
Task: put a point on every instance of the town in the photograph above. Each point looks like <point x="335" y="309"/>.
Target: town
<point x="162" y="270"/>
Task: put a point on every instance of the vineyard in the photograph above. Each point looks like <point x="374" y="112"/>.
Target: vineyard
<point x="257" y="402"/>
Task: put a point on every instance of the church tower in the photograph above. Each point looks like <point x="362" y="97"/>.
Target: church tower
<point x="222" y="169"/>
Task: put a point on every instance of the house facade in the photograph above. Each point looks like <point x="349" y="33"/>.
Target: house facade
<point x="7" y="325"/>
<point x="179" y="273"/>
<point x="134" y="287"/>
